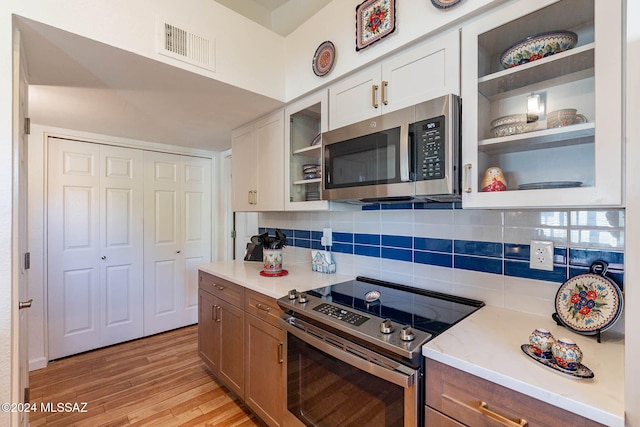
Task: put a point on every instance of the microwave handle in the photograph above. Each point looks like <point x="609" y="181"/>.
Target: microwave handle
<point x="404" y="153"/>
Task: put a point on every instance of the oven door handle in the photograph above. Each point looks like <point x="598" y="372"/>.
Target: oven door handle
<point x="401" y="375"/>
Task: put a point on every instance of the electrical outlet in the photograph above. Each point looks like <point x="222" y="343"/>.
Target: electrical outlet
<point x="541" y="255"/>
<point x="327" y="237"/>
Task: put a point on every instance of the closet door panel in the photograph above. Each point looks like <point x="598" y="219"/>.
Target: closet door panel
<point x="197" y="229"/>
<point x="121" y="278"/>
<point x="73" y="259"/>
<point x="163" y="265"/>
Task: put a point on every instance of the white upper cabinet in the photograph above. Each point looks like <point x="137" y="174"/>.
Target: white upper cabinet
<point x="305" y="120"/>
<point x="258" y="165"/>
<point x="545" y="165"/>
<point x="425" y="71"/>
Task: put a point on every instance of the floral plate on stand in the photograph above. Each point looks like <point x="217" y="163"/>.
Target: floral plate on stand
<point x="589" y="303"/>
<point x="581" y="371"/>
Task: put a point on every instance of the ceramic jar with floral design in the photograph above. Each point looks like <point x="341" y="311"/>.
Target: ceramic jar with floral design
<point x="567" y="354"/>
<point x="272" y="259"/>
<point x="541" y="341"/>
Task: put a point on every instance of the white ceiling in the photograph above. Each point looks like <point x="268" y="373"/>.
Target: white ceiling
<point x="81" y="84"/>
<point x="280" y="16"/>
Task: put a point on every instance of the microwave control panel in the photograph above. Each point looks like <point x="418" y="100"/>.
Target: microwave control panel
<point x="430" y="149"/>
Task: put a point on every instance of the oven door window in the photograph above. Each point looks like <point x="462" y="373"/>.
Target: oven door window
<point x="324" y="391"/>
<point x="367" y="160"/>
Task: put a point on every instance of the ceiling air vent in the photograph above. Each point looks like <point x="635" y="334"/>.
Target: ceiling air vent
<point x="185" y="46"/>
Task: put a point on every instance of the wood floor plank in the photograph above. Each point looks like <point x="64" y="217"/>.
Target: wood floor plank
<point x="153" y="381"/>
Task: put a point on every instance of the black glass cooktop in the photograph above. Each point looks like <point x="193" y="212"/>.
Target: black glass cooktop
<point x="428" y="311"/>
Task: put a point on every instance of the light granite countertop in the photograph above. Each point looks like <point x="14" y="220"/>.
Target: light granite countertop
<point x="487" y="345"/>
<point x="247" y="274"/>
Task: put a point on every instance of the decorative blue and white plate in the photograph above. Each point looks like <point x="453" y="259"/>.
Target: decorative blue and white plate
<point x="444" y="4"/>
<point x="581" y="371"/>
<point x="589" y="303"/>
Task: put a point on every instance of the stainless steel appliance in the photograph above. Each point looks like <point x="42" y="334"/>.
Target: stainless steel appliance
<point x="353" y="351"/>
<point x="412" y="154"/>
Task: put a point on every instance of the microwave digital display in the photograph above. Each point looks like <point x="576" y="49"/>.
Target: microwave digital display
<point x="430" y="149"/>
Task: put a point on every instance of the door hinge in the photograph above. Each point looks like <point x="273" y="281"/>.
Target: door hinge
<point x="27" y="125"/>
<point x="27" y="260"/>
<point x="27" y="394"/>
<point x="233" y="234"/>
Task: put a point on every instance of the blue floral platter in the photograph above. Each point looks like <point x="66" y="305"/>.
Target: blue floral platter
<point x="537" y="47"/>
<point x="589" y="303"/>
<point x="580" y="372"/>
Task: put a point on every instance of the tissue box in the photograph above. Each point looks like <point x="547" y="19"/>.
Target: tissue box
<point x="322" y="262"/>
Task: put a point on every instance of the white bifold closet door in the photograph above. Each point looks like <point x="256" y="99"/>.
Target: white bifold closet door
<point x="95" y="246"/>
<point x="177" y="237"/>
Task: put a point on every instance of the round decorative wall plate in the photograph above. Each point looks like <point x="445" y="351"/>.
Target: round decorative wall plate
<point x="324" y="58"/>
<point x="445" y="4"/>
<point x="589" y="303"/>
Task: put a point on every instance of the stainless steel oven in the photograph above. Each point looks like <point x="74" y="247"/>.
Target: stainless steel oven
<point x="353" y="352"/>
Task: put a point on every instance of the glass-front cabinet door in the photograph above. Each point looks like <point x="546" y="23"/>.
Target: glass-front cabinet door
<point x="305" y="121"/>
<point x="542" y="105"/>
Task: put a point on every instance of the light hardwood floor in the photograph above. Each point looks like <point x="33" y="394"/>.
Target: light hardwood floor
<point x="155" y="381"/>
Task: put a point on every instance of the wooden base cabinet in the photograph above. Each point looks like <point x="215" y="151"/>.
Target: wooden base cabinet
<point x="240" y="340"/>
<point x="221" y="334"/>
<point x="456" y="398"/>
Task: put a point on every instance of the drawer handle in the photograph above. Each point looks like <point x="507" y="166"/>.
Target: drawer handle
<point x="219" y="287"/>
<point x="484" y="408"/>
<point x="280" y="354"/>
<point x="266" y="309"/>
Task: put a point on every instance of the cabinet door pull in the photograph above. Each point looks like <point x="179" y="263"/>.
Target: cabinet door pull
<point x="374" y="97"/>
<point x="484" y="408"/>
<point x="466" y="178"/>
<point x="219" y="318"/>
<point x="280" y="353"/>
<point x="266" y="309"/>
<point x="384" y="92"/>
<point x="213" y="312"/>
<point x="249" y="197"/>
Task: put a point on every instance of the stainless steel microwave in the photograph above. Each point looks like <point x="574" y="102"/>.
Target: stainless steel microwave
<point x="408" y="155"/>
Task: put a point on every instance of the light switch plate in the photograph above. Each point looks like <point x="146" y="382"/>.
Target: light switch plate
<point x="541" y="255"/>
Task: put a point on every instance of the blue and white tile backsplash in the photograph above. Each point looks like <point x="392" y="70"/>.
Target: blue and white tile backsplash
<point x="481" y="254"/>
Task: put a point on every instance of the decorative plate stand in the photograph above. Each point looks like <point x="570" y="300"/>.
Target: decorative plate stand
<point x="589" y="303"/>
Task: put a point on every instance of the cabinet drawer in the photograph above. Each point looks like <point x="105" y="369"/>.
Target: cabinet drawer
<point x="223" y="289"/>
<point x="433" y="418"/>
<point x="262" y="306"/>
<point x="460" y="396"/>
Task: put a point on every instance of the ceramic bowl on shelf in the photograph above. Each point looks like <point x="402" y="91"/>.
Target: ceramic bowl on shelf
<point x="537" y="47"/>
<point x="514" y="129"/>
<point x="513" y="119"/>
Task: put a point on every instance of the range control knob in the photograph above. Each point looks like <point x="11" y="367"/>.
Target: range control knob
<point x="293" y="294"/>
<point x="406" y="334"/>
<point x="302" y="298"/>
<point x="386" y="327"/>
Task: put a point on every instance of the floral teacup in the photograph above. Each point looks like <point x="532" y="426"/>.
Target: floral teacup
<point x="541" y="341"/>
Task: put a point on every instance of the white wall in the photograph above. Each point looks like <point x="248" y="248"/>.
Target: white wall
<point x="632" y="268"/>
<point x="336" y="22"/>
<point x="247" y="54"/>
